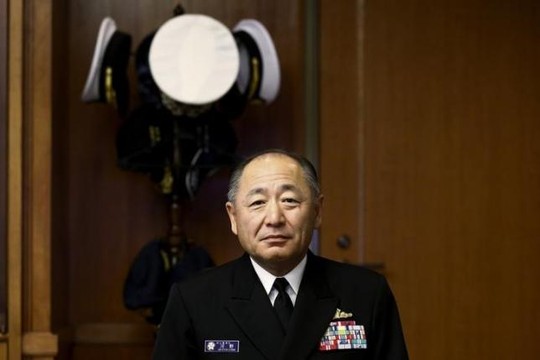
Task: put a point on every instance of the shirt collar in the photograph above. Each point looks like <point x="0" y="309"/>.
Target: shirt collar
<point x="294" y="277"/>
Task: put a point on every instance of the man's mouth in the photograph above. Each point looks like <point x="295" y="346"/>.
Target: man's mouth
<point x="275" y="237"/>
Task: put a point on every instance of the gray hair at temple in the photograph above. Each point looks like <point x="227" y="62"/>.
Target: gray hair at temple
<point x="307" y="167"/>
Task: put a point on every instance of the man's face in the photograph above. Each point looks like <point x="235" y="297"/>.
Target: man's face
<point x="274" y="213"/>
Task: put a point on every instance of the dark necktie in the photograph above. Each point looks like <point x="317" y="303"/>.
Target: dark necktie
<point x="283" y="304"/>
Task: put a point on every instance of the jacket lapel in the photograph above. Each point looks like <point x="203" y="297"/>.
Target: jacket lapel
<point x="314" y="309"/>
<point x="251" y="309"/>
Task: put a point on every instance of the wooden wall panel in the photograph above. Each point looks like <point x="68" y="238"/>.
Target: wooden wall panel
<point x="104" y="215"/>
<point x="37" y="164"/>
<point x="452" y="171"/>
<point x="341" y="128"/>
<point x="3" y="163"/>
<point x="37" y="339"/>
<point x="14" y="181"/>
<point x="3" y="351"/>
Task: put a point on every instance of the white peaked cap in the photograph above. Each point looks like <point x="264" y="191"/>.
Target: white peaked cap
<point x="194" y="59"/>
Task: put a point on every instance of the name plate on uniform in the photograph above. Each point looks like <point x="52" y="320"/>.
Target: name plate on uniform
<point x="222" y="346"/>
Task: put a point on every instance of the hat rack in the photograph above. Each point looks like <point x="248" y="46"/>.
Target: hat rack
<point x="200" y="97"/>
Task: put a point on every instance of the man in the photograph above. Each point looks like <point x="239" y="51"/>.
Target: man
<point x="324" y="310"/>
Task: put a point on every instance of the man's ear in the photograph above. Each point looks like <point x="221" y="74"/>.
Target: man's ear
<point x="318" y="211"/>
<point x="231" y="211"/>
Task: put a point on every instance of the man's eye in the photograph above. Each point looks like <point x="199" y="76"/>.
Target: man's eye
<point x="256" y="203"/>
<point x="290" y="201"/>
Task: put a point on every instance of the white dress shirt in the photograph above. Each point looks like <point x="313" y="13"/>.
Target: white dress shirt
<point x="294" y="277"/>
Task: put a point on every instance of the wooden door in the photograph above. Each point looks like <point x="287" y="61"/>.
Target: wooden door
<point x="449" y="190"/>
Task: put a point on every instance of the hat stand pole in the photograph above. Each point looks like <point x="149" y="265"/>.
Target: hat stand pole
<point x="176" y="238"/>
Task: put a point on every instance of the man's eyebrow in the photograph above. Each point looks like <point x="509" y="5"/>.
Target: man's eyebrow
<point x="289" y="187"/>
<point x="255" y="191"/>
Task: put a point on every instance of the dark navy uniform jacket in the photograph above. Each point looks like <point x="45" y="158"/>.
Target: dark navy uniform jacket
<point x="225" y="313"/>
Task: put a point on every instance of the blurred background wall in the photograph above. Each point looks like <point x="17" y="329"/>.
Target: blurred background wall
<point x="422" y="117"/>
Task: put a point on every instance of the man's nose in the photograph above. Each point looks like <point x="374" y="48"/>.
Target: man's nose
<point x="274" y="214"/>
